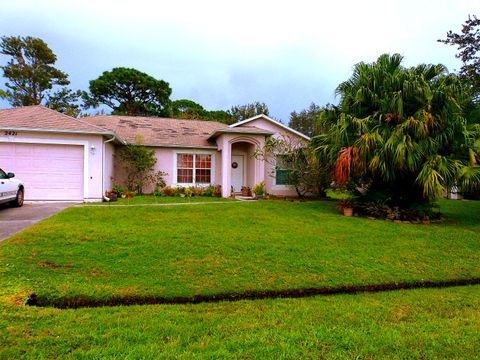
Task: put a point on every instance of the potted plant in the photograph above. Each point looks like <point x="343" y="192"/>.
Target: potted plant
<point x="346" y="206"/>
<point x="246" y="191"/>
<point x="259" y="189"/>
<point x="345" y="202"/>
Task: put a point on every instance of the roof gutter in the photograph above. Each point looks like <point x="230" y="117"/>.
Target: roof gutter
<point x="58" y="131"/>
<point x="213" y="147"/>
<point x="239" y="131"/>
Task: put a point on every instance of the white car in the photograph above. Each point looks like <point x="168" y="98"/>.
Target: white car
<point x="11" y="190"/>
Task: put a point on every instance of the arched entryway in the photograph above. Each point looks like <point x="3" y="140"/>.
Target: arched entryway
<point x="242" y="165"/>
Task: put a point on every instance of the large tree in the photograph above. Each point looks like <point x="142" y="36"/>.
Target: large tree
<point x="130" y="92"/>
<point x="306" y="120"/>
<point x="30" y="72"/>
<point x="65" y="101"/>
<point x="468" y="46"/>
<point x="399" y="133"/>
<point x="243" y="112"/>
<point x="188" y="109"/>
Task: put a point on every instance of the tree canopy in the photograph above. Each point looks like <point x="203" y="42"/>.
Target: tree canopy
<point x="306" y="120"/>
<point x="468" y="46"/>
<point x="188" y="109"/>
<point x="30" y="73"/>
<point x="243" y="112"/>
<point x="399" y="133"/>
<point x="130" y="92"/>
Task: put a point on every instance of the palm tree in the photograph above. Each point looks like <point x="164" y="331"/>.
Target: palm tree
<point x="400" y="132"/>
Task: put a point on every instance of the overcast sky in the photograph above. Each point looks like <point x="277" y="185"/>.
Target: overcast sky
<point x="223" y="53"/>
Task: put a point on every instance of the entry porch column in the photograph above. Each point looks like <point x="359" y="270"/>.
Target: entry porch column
<point x="226" y="172"/>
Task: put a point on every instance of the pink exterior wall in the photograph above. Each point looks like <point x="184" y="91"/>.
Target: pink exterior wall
<point x="102" y="168"/>
<point x="269" y="175"/>
<point x="93" y="158"/>
<point x="166" y="162"/>
<point x="228" y="145"/>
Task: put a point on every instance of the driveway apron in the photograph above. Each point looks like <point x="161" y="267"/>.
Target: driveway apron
<point x="13" y="220"/>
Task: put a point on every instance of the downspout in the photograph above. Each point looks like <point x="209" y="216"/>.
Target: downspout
<point x="103" y="167"/>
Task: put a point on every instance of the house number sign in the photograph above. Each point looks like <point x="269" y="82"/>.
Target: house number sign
<point x="234" y="165"/>
<point x="11" y="133"/>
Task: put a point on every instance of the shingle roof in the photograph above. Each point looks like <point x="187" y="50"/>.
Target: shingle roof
<point x="240" y="130"/>
<point x="159" y="131"/>
<point x="151" y="131"/>
<point x="41" y="118"/>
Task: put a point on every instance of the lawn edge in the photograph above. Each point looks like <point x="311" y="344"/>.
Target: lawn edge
<point x="81" y="301"/>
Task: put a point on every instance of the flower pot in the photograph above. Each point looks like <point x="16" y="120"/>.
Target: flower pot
<point x="347" y="211"/>
<point x="246" y="191"/>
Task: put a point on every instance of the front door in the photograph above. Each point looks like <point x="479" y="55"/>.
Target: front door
<point x="237" y="172"/>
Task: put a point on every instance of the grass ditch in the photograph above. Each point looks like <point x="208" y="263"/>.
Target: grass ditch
<point x="87" y="256"/>
<point x="79" y="301"/>
<point x="411" y="324"/>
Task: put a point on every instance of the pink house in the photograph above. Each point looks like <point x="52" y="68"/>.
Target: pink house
<point x="62" y="158"/>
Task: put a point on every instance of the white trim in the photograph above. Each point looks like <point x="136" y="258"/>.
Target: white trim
<point x="282" y="187"/>
<point x="213" y="147"/>
<point x="83" y="143"/>
<point x="259" y="132"/>
<point x="58" y="131"/>
<point x="265" y="117"/>
<point x="195" y="152"/>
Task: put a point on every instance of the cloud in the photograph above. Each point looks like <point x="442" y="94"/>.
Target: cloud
<point x="223" y="53"/>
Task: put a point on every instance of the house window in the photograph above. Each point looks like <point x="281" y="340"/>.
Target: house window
<point x="282" y="170"/>
<point x="194" y="168"/>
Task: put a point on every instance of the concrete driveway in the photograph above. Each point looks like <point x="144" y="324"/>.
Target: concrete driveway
<point x="13" y="220"/>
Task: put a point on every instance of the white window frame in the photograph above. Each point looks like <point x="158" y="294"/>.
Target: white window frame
<point x="275" y="185"/>
<point x="193" y="152"/>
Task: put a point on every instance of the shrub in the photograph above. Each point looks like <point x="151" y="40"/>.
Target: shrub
<point x="117" y="189"/>
<point x="377" y="209"/>
<point x="259" y="189"/>
<point x="168" y="191"/>
<point x="209" y="191"/>
<point x="139" y="163"/>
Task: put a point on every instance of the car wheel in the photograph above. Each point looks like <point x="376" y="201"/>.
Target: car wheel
<point x="18" y="202"/>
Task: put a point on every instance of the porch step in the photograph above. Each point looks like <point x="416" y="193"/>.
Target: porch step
<point x="245" y="198"/>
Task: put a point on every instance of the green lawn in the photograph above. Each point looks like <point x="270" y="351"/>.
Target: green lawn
<point x="98" y="253"/>
<point x="150" y="199"/>
<point x="427" y="324"/>
<point x="169" y="251"/>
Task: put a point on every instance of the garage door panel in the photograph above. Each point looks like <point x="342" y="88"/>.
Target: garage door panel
<point x="24" y="151"/>
<point x="49" y="172"/>
<point x="7" y="151"/>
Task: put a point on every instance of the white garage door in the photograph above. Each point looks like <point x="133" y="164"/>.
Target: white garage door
<point x="49" y="172"/>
